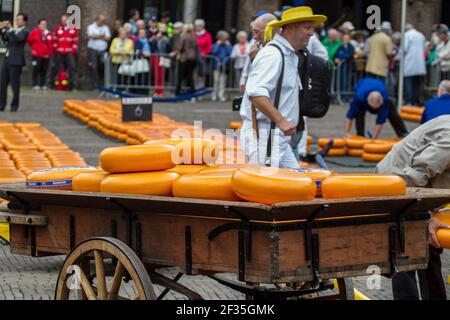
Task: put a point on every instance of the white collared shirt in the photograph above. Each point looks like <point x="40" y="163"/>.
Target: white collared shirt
<point x="263" y="80"/>
<point x="98" y="45"/>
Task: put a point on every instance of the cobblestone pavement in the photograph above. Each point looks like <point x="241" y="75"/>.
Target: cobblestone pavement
<point x="35" y="278"/>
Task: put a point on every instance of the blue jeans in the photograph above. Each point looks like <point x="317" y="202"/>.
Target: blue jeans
<point x="412" y="87"/>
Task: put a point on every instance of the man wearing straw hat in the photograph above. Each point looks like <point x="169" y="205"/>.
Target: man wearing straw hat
<point x="273" y="88"/>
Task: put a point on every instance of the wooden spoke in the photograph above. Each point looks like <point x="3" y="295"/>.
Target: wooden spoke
<point x="117" y="281"/>
<point x="85" y="284"/>
<point x="100" y="275"/>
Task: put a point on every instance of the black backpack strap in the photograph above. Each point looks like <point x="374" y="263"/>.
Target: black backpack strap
<point x="276" y="102"/>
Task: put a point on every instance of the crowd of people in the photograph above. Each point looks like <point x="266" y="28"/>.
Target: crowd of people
<point x="357" y="54"/>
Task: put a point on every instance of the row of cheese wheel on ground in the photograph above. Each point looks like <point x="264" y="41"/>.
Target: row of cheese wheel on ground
<point x="150" y="170"/>
<point x="29" y="147"/>
<point x="412" y="113"/>
<point x="368" y="149"/>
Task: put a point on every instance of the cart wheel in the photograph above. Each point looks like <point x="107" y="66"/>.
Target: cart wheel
<point x="346" y="289"/>
<point x="112" y="261"/>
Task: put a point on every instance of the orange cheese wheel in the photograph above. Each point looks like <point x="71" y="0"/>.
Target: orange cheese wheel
<point x="338" y="142"/>
<point x="413" y="110"/>
<point x="88" y="181"/>
<point x="188" y="169"/>
<point x="143" y="158"/>
<point x="57" y="178"/>
<point x="378" y="148"/>
<point x="224" y="168"/>
<point x="191" y="151"/>
<point x="271" y="186"/>
<point x="355" y="152"/>
<point x="235" y="125"/>
<point x="12" y="180"/>
<point x="310" y="140"/>
<point x="362" y="185"/>
<point x="411" y="117"/>
<point x="357" y="142"/>
<point x="208" y="186"/>
<point x="443" y="235"/>
<point x="337" y="152"/>
<point x="147" y="183"/>
<point x="373" y="157"/>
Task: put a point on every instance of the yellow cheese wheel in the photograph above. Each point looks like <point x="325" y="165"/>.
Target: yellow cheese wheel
<point x="57" y="178"/>
<point x="208" y="186"/>
<point x="147" y="183"/>
<point x="191" y="151"/>
<point x="413" y="110"/>
<point x="271" y="186"/>
<point x="381" y="148"/>
<point x="355" y="152"/>
<point x="411" y="117"/>
<point x="373" y="157"/>
<point x="235" y="125"/>
<point x="188" y="169"/>
<point x="338" y="142"/>
<point x="143" y="158"/>
<point x="88" y="181"/>
<point x="224" y="168"/>
<point x="443" y="235"/>
<point x="357" y="142"/>
<point x="337" y="152"/>
<point x="362" y="185"/>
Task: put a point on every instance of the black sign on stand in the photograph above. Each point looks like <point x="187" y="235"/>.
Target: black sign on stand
<point x="137" y="109"/>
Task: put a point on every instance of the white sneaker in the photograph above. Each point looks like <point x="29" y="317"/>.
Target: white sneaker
<point x="214" y="99"/>
<point x="36" y="88"/>
<point x="44" y="88"/>
<point x="223" y="99"/>
<point x="193" y="100"/>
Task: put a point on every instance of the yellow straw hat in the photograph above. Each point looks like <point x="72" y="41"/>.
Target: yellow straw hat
<point x="294" y="15"/>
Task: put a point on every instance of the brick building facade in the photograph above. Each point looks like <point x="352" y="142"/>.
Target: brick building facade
<point x="232" y="15"/>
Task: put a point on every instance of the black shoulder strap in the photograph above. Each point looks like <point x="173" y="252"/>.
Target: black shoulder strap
<point x="276" y="103"/>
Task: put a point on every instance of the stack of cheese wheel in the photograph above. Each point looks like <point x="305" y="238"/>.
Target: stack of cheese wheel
<point x="355" y="146"/>
<point x="64" y="158"/>
<point x="212" y="185"/>
<point x="412" y="113"/>
<point x="443" y="235"/>
<point x="8" y="171"/>
<point x="271" y="186"/>
<point x="362" y="185"/>
<point x="30" y="160"/>
<point x="140" y="170"/>
<point x="378" y="149"/>
<point x="338" y="149"/>
<point x="42" y="138"/>
<point x="56" y="178"/>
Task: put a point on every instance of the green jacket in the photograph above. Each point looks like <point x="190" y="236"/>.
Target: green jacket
<point x="332" y="48"/>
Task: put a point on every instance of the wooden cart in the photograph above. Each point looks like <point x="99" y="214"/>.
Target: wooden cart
<point x="298" y="248"/>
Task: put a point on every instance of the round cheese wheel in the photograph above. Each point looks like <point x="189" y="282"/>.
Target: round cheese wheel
<point x="357" y="142"/>
<point x="411" y="117"/>
<point x="146" y="183"/>
<point x="443" y="235"/>
<point x="271" y="186"/>
<point x="208" y="186"/>
<point x="337" y="152"/>
<point x="378" y="148"/>
<point x="413" y="110"/>
<point x="355" y="152"/>
<point x="235" y="125"/>
<point x="188" y="169"/>
<point x="88" y="181"/>
<point x="338" y="142"/>
<point x="143" y="158"/>
<point x="224" y="168"/>
<point x="57" y="178"/>
<point x="191" y="151"/>
<point x="373" y="157"/>
<point x="362" y="185"/>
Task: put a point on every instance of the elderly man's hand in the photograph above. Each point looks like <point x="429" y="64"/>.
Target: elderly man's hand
<point x="434" y="226"/>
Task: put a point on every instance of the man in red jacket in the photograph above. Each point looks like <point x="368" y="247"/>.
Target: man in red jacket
<point x="40" y="41"/>
<point x="65" y="45"/>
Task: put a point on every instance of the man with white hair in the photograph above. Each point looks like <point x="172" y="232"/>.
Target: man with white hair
<point x="205" y="42"/>
<point x="380" y="52"/>
<point x="415" y="64"/>
<point x="371" y="95"/>
<point x="439" y="106"/>
<point x="332" y="43"/>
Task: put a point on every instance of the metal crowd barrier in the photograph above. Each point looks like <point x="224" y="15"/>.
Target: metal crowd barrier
<point x="153" y="77"/>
